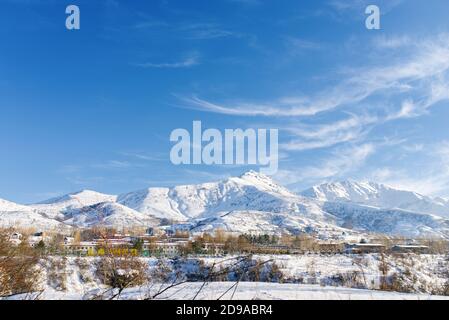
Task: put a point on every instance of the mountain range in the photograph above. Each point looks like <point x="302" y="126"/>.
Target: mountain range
<point x="250" y="203"/>
<point x="378" y="195"/>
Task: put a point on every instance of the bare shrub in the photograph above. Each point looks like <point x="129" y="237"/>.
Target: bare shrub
<point x="19" y="273"/>
<point x="162" y="272"/>
<point x="354" y="279"/>
<point x="121" y="272"/>
<point x="384" y="268"/>
<point x="56" y="273"/>
<point x="84" y="270"/>
<point x="400" y="283"/>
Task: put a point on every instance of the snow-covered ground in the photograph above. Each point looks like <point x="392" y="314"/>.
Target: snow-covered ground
<point x="247" y="291"/>
<point x="418" y="273"/>
<point x="339" y="277"/>
<point x="276" y="291"/>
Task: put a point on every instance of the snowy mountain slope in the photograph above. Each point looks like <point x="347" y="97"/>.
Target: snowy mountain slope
<point x="251" y="202"/>
<point x="29" y="219"/>
<point x="57" y="208"/>
<point x="251" y="191"/>
<point x="109" y="214"/>
<point x="378" y="195"/>
<point x="260" y="222"/>
<point x="153" y="201"/>
<point x="8" y="206"/>
<point x="16" y="215"/>
<point x="388" y="221"/>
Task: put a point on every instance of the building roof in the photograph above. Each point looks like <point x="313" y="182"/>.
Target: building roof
<point x="366" y="245"/>
<point x="407" y="246"/>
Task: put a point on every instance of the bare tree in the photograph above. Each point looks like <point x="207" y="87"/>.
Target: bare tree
<point x="361" y="264"/>
<point x="383" y="268"/>
<point x="119" y="268"/>
<point x="19" y="273"/>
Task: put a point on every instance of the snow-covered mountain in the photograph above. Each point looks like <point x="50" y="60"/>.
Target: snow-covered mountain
<point x="8" y="206"/>
<point x="251" y="191"/>
<point x="378" y="195"/>
<point x="109" y="214"/>
<point x="251" y="202"/>
<point x="263" y="222"/>
<point x="16" y="215"/>
<point x="57" y="208"/>
<point x="395" y="222"/>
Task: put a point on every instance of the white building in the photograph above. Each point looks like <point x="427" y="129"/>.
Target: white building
<point x="16" y="238"/>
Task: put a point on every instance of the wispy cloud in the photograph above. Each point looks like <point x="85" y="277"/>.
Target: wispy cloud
<point x="205" y="31"/>
<point x="433" y="177"/>
<point x="149" y="24"/>
<point x="85" y="181"/>
<point x="416" y="147"/>
<point x="247" y="2"/>
<point x="298" y="45"/>
<point x="420" y="74"/>
<point x="188" y="62"/>
<point x="356" y="8"/>
<point x="113" y="164"/>
<point x="321" y="136"/>
<point x="145" y="156"/>
<point x="392" y="42"/>
<point x="341" y="162"/>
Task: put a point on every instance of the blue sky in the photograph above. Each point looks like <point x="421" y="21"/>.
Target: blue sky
<point x="94" y="108"/>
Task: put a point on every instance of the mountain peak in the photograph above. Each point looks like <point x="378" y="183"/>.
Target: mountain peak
<point x="252" y="174"/>
<point x="85" y="196"/>
<point x="376" y="195"/>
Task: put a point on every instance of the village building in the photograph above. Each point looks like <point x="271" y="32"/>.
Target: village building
<point x="80" y="249"/>
<point x="164" y="248"/>
<point x="364" y="248"/>
<point x="330" y="247"/>
<point x="216" y="249"/>
<point x="419" y="249"/>
<point x="15" y="238"/>
<point x="69" y="240"/>
<point x="36" y="238"/>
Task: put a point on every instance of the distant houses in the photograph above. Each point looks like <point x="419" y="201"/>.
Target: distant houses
<point x="359" y="248"/>
<point x="83" y="248"/>
<point x="164" y="242"/>
<point x="410" y="249"/>
<point x="145" y="245"/>
<point x="330" y="247"/>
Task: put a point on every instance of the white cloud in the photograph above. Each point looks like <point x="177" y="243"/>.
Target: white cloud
<point x="341" y="162"/>
<point x="426" y="65"/>
<point x="356" y="8"/>
<point x="327" y="135"/>
<point x="205" y="31"/>
<point x="417" y="147"/>
<point x="401" y="88"/>
<point x="247" y="2"/>
<point x="190" y="61"/>
<point x="408" y="110"/>
<point x="113" y="164"/>
<point x="146" y="156"/>
<point x="297" y="45"/>
<point x="392" y="42"/>
<point x="432" y="179"/>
